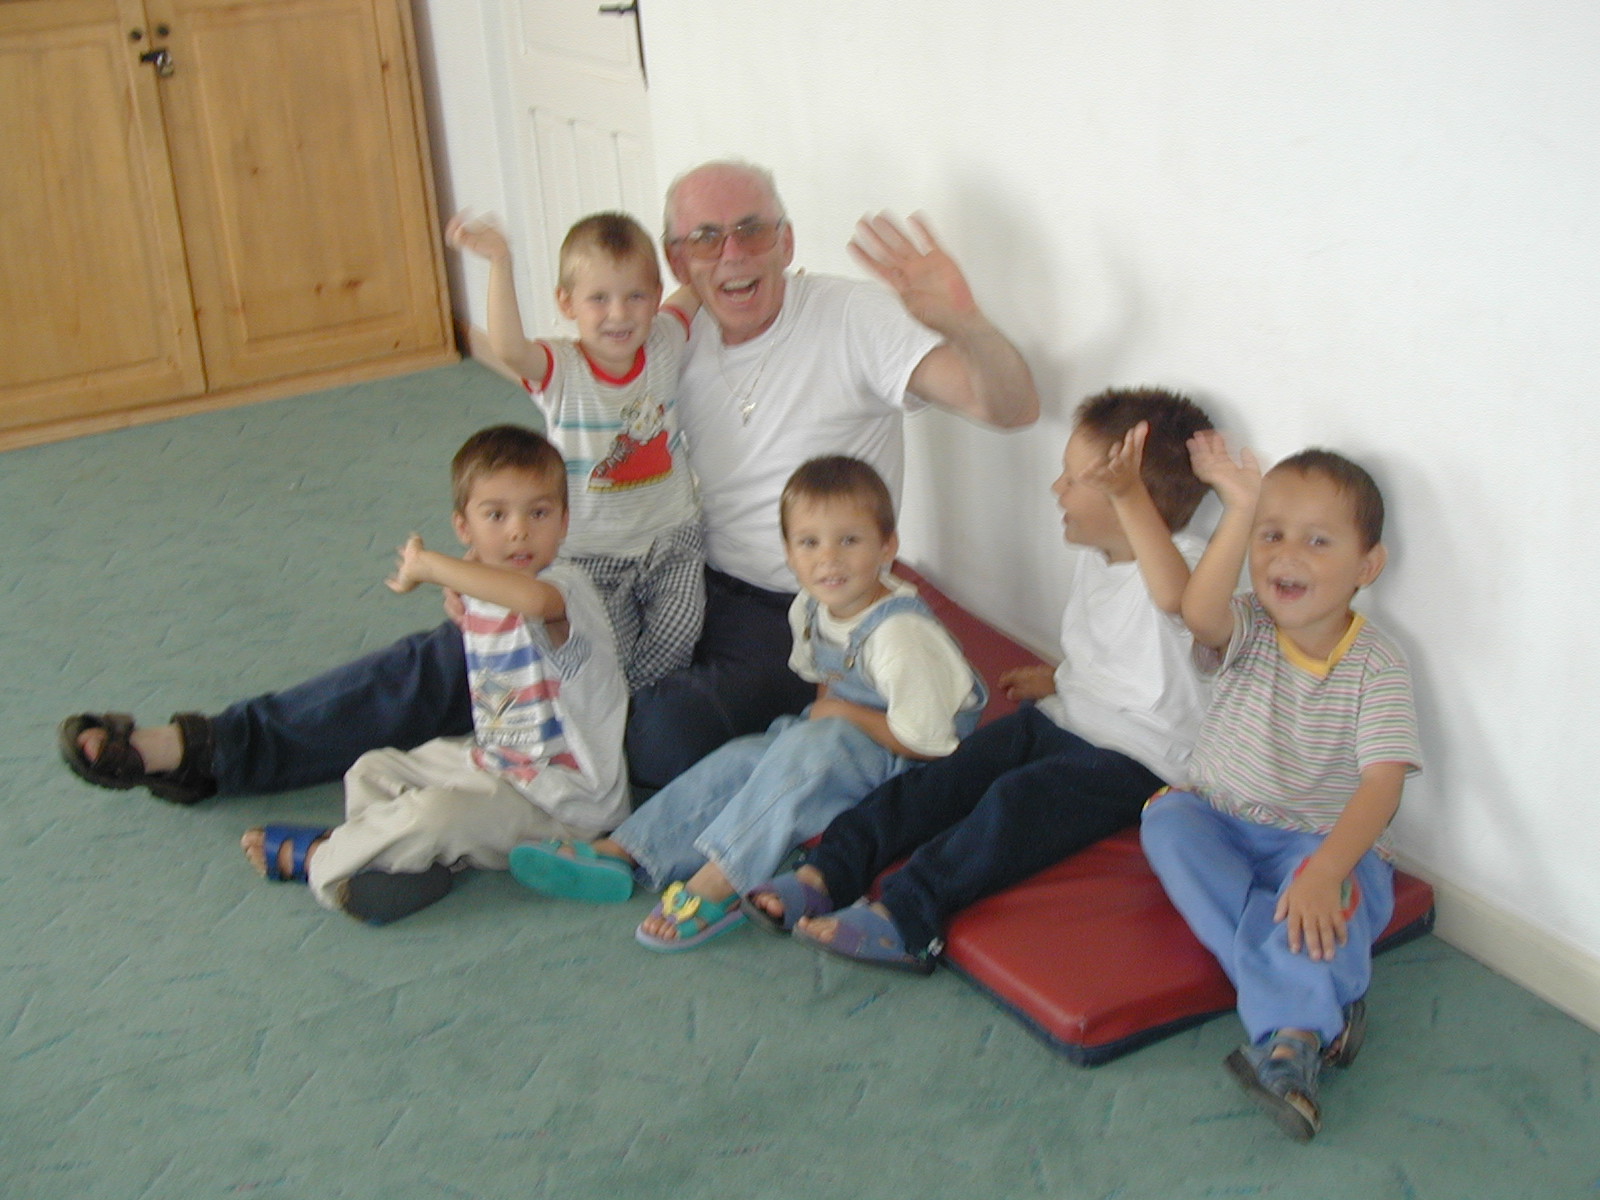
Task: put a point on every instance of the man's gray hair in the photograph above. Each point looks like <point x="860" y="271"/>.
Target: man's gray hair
<point x="760" y="174"/>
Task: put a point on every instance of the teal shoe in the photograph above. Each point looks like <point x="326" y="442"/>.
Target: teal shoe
<point x="572" y="871"/>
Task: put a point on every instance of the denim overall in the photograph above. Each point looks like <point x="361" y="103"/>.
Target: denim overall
<point x="750" y="804"/>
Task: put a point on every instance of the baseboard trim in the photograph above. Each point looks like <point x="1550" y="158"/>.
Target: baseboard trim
<point x="1550" y="967"/>
<point x="475" y="342"/>
<point x="401" y="363"/>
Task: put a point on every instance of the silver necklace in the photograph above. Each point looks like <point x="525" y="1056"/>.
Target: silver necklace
<point x="744" y="395"/>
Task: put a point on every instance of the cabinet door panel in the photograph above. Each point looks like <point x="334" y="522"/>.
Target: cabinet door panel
<point x="95" y="313"/>
<point x="296" y="149"/>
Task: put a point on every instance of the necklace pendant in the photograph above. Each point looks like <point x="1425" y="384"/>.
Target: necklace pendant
<point x="745" y="409"/>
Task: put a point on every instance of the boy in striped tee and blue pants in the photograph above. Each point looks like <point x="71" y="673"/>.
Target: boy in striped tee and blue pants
<point x="1276" y="853"/>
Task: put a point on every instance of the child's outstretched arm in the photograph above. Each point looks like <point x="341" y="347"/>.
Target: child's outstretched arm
<point x="1312" y="904"/>
<point x="415" y="564"/>
<point x="507" y="338"/>
<point x="1164" y="570"/>
<point x="1208" y="599"/>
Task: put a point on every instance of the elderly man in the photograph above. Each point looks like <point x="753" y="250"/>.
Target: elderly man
<point x="781" y="368"/>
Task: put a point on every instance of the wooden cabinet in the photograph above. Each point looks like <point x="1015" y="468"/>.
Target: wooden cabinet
<point x="257" y="221"/>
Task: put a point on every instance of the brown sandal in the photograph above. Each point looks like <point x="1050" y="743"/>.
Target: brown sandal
<point x="120" y="766"/>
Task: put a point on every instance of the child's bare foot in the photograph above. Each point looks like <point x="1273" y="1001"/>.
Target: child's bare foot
<point x="823" y="929"/>
<point x="709" y="883"/>
<point x="865" y="933"/>
<point x="254" y="845"/>
<point x="771" y="903"/>
<point x="690" y="920"/>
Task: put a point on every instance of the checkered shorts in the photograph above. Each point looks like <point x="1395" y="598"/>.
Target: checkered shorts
<point x="656" y="602"/>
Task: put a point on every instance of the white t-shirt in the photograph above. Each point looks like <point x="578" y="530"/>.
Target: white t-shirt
<point x="1127" y="679"/>
<point x="910" y="660"/>
<point x="829" y="377"/>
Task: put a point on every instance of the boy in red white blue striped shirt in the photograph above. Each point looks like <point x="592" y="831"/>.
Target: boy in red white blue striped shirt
<point x="549" y="706"/>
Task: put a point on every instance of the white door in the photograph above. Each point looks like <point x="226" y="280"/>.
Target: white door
<point x="581" y="126"/>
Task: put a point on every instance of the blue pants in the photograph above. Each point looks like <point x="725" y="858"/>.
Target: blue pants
<point x="416" y="690"/>
<point x="1225" y="874"/>
<point x="749" y="804"/>
<point x="1015" y="797"/>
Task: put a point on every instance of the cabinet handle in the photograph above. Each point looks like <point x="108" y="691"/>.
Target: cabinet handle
<point x="161" y="59"/>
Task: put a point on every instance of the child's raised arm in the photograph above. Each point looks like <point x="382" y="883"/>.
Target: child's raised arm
<point x="1160" y="563"/>
<point x="415" y="564"/>
<point x="507" y="338"/>
<point x="1208" y="599"/>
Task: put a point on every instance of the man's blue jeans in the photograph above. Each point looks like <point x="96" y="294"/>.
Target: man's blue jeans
<point x="416" y="689"/>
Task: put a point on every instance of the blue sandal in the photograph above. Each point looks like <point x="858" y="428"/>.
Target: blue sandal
<point x="1347" y="1045"/>
<point x="698" y="920"/>
<point x="583" y="874"/>
<point x="300" y="837"/>
<point x="865" y="935"/>
<point x="799" y="898"/>
<point x="1284" y="1087"/>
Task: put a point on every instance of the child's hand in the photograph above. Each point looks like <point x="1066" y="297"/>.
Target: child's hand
<point x="828" y="705"/>
<point x="1028" y="683"/>
<point x="1237" y="484"/>
<point x="406" y="567"/>
<point x="1118" y="473"/>
<point x="1314" y="910"/>
<point x="479" y="237"/>
<point x="455" y="608"/>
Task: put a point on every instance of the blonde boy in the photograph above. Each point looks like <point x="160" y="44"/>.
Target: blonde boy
<point x="610" y="405"/>
<point x="549" y="706"/>
<point x="1275" y="852"/>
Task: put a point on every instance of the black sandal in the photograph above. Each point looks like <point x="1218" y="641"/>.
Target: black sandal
<point x="119" y="766"/>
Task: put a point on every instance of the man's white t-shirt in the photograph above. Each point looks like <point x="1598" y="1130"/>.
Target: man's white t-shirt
<point x="829" y="377"/>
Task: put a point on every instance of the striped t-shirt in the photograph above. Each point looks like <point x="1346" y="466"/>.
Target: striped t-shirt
<point x="1287" y="737"/>
<point x="514" y="692"/>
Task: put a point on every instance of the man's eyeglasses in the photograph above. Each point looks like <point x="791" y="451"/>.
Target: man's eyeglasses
<point x="754" y="236"/>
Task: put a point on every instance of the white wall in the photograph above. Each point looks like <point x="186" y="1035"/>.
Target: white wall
<point x="1359" y="224"/>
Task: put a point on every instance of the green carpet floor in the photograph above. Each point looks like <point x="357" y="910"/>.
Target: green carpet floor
<point x="172" y="1026"/>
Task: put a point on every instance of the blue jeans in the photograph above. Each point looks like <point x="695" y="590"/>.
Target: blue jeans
<point x="1225" y="874"/>
<point x="748" y="805"/>
<point x="408" y="693"/>
<point x="1015" y="797"/>
<point x="416" y="690"/>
